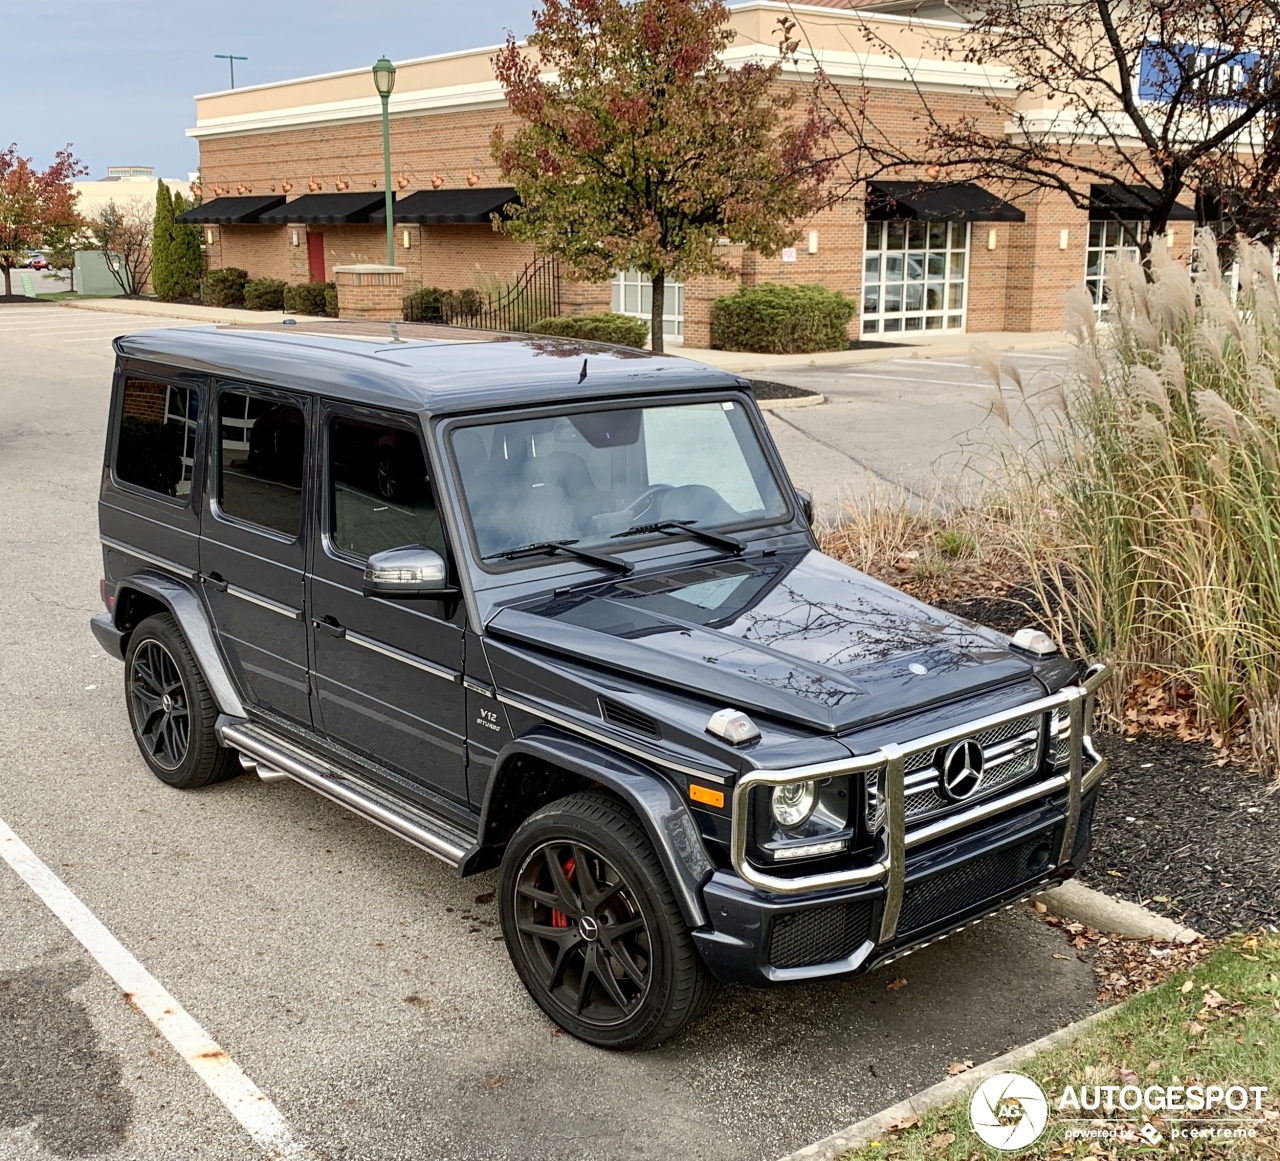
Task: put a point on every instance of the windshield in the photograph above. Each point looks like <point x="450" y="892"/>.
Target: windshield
<point x="590" y="478"/>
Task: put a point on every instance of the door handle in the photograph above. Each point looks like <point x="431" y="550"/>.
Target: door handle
<point x="330" y="626"/>
<point x="214" y="581"/>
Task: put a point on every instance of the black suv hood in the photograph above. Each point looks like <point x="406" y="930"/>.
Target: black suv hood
<point x="799" y="636"/>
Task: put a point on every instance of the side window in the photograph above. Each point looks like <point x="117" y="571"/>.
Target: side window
<point x="261" y="452"/>
<point x="157" y="443"/>
<point x="379" y="492"/>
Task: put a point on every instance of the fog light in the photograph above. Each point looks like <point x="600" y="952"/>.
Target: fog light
<point x="733" y="726"/>
<point x="1034" y="641"/>
<point x="810" y="850"/>
<point x="793" y="803"/>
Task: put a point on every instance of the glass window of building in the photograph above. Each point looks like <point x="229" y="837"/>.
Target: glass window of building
<point x="914" y="276"/>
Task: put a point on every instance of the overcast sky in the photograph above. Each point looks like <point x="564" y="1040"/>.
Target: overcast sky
<point x="116" y="77"/>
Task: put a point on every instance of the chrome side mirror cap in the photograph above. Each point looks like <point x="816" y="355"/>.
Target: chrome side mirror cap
<point x="806" y="505"/>
<point x="411" y="571"/>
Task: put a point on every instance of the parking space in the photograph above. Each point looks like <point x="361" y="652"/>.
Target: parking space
<point x="358" y="982"/>
<point x="922" y="426"/>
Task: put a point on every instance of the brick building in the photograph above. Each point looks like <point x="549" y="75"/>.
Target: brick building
<point x="292" y="182"/>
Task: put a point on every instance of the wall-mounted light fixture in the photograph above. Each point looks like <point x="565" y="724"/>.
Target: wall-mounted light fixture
<point x="286" y="186"/>
<point x="404" y="238"/>
<point x="437" y="181"/>
<point x="294" y="238"/>
<point x="208" y="237"/>
<point x="991" y="238"/>
<point x="813" y="241"/>
<point x="1064" y="239"/>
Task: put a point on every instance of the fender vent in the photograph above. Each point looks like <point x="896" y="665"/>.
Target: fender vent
<point x="627" y="718"/>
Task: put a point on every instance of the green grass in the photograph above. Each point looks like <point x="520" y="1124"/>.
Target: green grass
<point x="1222" y="1029"/>
<point x="71" y="296"/>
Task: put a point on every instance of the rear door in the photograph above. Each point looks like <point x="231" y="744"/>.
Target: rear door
<point x="387" y="673"/>
<point x="252" y="542"/>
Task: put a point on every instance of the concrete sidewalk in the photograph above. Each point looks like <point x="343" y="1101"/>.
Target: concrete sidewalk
<point x="947" y="344"/>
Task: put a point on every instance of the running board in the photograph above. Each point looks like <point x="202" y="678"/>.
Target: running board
<point x="359" y="795"/>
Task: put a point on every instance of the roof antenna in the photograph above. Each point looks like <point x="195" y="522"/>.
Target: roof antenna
<point x="395" y="334"/>
<point x="583" y="373"/>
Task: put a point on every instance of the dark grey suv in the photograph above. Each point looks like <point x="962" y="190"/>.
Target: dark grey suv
<point x="556" y="609"/>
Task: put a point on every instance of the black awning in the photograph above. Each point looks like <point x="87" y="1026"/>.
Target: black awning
<point x="958" y="201"/>
<point x="230" y="211"/>
<point x="435" y="207"/>
<point x="1130" y="201"/>
<point x="327" y="209"/>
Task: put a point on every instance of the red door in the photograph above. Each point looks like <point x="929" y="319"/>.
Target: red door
<point x="315" y="256"/>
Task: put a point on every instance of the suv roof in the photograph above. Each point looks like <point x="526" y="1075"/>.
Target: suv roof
<point x="432" y="368"/>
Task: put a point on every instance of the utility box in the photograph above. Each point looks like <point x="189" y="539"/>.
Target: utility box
<point x="93" y="275"/>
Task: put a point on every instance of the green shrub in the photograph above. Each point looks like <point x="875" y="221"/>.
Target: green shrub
<point x="162" y="279"/>
<point x="598" y="328"/>
<point x="186" y="259"/>
<point x="306" y="298"/>
<point x="264" y="294"/>
<point x="331" y="300"/>
<point x="225" y="286"/>
<point x="782" y="320"/>
<point x="427" y="305"/>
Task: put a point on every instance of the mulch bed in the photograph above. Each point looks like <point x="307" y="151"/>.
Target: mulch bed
<point x="1174" y="830"/>
<point x="768" y="389"/>
<point x="10" y="299"/>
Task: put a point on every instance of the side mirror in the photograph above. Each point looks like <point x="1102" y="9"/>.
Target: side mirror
<point x="806" y="505"/>
<point x="412" y="571"/>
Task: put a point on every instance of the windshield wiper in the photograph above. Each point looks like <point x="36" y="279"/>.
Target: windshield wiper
<point x="675" y="527"/>
<point x="565" y="546"/>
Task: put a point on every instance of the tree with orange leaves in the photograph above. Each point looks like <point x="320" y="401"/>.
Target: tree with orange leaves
<point x="33" y="201"/>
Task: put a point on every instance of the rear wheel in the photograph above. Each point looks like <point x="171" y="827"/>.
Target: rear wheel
<point x="593" y="927"/>
<point x="171" y="709"/>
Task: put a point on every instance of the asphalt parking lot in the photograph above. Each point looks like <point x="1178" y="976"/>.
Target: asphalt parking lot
<point x="359" y="983"/>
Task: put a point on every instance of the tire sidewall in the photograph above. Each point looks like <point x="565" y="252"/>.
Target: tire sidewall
<point x="554" y="824"/>
<point x="162" y="629"/>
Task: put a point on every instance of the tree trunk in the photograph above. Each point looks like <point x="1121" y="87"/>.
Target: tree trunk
<point x="8" y="288"/>
<point x="656" y="312"/>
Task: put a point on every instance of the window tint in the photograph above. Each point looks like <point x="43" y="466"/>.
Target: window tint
<point x="379" y="494"/>
<point x="261" y="446"/>
<point x="157" y="444"/>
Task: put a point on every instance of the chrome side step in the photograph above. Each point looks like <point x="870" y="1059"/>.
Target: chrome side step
<point x="274" y="758"/>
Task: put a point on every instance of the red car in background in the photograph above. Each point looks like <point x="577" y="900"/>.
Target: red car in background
<point x="36" y="261"/>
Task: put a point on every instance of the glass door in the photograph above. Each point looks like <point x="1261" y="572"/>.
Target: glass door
<point x="632" y="293"/>
<point x="914" y="276"/>
<point x="1109" y="243"/>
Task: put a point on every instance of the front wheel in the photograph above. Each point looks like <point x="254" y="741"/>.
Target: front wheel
<point x="593" y="927"/>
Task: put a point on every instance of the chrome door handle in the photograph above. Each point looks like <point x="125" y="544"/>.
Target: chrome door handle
<point x="214" y="581"/>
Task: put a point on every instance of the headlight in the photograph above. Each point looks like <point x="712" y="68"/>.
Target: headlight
<point x="793" y="803"/>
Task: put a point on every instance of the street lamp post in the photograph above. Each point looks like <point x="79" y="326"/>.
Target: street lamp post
<point x="231" y="59"/>
<point x="384" y="79"/>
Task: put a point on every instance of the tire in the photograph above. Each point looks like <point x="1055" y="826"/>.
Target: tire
<point x="171" y="709"/>
<point x="613" y="965"/>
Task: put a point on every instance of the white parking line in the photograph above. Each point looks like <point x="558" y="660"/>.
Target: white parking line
<point x="243" y="1099"/>
<point x="922" y="378"/>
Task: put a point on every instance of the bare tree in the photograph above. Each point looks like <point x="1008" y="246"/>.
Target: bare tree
<point x="123" y="233"/>
<point x="1166" y="97"/>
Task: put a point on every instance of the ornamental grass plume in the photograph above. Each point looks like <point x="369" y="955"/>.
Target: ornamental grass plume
<point x="1158" y="540"/>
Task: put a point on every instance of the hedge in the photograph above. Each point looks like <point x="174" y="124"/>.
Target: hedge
<point x="782" y="320"/>
<point x="311" y="298"/>
<point x="606" y="327"/>
<point x="264" y="294"/>
<point x="224" y="286"/>
<point x="432" y="304"/>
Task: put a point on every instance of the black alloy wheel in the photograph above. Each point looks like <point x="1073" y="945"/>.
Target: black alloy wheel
<point x="593" y="927"/>
<point x="583" y="931"/>
<point x="171" y="709"/>
<point x="158" y="699"/>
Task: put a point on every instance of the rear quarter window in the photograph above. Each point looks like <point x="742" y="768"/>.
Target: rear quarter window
<point x="156" y="445"/>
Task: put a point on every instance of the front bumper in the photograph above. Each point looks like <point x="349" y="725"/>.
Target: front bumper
<point x="770" y="929"/>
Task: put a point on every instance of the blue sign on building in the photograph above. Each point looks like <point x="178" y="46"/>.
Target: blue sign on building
<point x="1220" y="74"/>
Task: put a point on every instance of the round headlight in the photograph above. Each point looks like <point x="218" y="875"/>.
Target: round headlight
<point x="794" y="802"/>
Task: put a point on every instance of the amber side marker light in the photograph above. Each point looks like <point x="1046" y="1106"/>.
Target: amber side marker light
<point x="706" y="795"/>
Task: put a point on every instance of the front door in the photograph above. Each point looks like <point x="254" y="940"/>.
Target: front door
<point x="387" y="673"/>
<point x="252" y="544"/>
<point x="315" y="257"/>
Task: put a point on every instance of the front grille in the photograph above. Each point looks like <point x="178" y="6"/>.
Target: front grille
<point x="819" y="934"/>
<point x="968" y="884"/>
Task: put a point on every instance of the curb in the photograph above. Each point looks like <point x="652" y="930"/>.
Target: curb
<point x="1074" y="901"/>
<point x="872" y="1127"/>
<point x="799" y="401"/>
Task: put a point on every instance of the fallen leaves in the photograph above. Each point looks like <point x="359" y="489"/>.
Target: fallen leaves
<point x="896" y="985"/>
<point x="956" y="1067"/>
<point x="940" y="1141"/>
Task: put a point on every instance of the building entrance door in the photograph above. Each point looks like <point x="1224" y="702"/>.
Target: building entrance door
<point x="315" y="256"/>
<point x="914" y="276"/>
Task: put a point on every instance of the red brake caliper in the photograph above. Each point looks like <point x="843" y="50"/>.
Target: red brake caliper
<point x="559" y="918"/>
